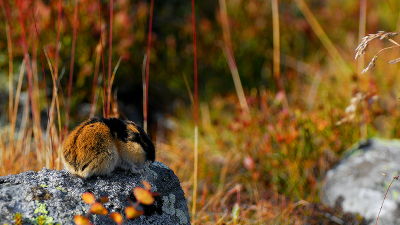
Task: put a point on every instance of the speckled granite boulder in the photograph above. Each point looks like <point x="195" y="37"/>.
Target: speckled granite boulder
<point x="358" y="183"/>
<point x="55" y="196"/>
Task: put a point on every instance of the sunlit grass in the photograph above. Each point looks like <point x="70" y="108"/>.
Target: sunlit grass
<point x="263" y="151"/>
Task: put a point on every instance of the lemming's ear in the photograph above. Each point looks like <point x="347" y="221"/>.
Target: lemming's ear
<point x="147" y="145"/>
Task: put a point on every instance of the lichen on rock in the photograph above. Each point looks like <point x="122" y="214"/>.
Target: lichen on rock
<point x="55" y="196"/>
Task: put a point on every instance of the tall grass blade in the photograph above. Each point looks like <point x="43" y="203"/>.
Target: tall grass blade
<point x="321" y="34"/>
<point x="228" y="51"/>
<point x="72" y="64"/>
<point x="147" y="70"/>
<point x="195" y="112"/>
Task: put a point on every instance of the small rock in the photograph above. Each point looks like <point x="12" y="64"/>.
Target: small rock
<point x="359" y="182"/>
<point x="55" y="196"/>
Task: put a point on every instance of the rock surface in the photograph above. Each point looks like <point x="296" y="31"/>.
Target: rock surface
<point x="359" y="182"/>
<point x="55" y="196"/>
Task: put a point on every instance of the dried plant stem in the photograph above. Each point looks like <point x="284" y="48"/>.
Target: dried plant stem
<point x="195" y="113"/>
<point x="72" y="64"/>
<point x="112" y="80"/>
<point x="54" y="91"/>
<point x="147" y="68"/>
<point x="228" y="51"/>
<point x="276" y="43"/>
<point x="384" y="198"/>
<point x="49" y="151"/>
<point x="394" y="42"/>
<point x="361" y="31"/>
<point x="54" y="102"/>
<point x="189" y="91"/>
<point x="195" y="170"/>
<point x="99" y="55"/>
<point x="15" y="106"/>
<point x="57" y="55"/>
<point x="373" y="61"/>
<point x="110" y="39"/>
<point x="103" y="65"/>
<point x="32" y="97"/>
<point x="10" y="71"/>
<point x="276" y="50"/>
<point x="326" y="42"/>
<point x="54" y="75"/>
<point x="144" y="91"/>
<point x="95" y="81"/>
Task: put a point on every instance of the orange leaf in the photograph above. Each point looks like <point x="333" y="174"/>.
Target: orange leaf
<point x="104" y="199"/>
<point x="117" y="217"/>
<point x="88" y="198"/>
<point x="131" y="212"/>
<point x="98" y="208"/>
<point x="143" y="196"/>
<point x="147" y="185"/>
<point x="81" y="220"/>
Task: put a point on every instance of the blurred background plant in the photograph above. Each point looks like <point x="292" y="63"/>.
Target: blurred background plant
<point x="263" y="151"/>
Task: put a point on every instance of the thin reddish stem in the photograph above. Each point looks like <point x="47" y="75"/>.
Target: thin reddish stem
<point x="26" y="56"/>
<point x="103" y="66"/>
<point x="6" y="11"/>
<point x="96" y="73"/>
<point x="110" y="59"/>
<point x="72" y="63"/>
<point x="41" y="57"/>
<point x="148" y="54"/>
<point x="59" y="13"/>
<point x="32" y="99"/>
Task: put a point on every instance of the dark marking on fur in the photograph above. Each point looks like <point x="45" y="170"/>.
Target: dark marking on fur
<point x="86" y="165"/>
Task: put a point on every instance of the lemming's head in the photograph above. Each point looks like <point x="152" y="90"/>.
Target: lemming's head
<point x="135" y="134"/>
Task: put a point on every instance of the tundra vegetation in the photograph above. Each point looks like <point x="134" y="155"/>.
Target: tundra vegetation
<point x="277" y="100"/>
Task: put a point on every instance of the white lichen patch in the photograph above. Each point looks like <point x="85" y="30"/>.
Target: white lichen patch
<point x="182" y="216"/>
<point x="169" y="208"/>
<point x="169" y="204"/>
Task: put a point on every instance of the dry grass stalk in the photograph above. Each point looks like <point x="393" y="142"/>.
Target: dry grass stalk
<point x="384" y="198"/>
<point x="362" y="24"/>
<point x="365" y="41"/>
<point x="361" y="48"/>
<point x="228" y="50"/>
<point x="110" y="47"/>
<point x="147" y="58"/>
<point x="276" y="42"/>
<point x="321" y="34"/>
<point x="72" y="62"/>
<point x="371" y="64"/>
<point x="7" y="15"/>
<point x="195" y="113"/>
<point x="394" y="61"/>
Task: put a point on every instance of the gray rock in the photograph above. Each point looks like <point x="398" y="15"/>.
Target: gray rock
<point x="359" y="182"/>
<point x="55" y="196"/>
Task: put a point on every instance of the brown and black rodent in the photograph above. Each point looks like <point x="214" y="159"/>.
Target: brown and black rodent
<point x="99" y="145"/>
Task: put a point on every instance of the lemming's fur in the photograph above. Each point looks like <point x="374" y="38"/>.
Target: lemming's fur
<point x="98" y="146"/>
